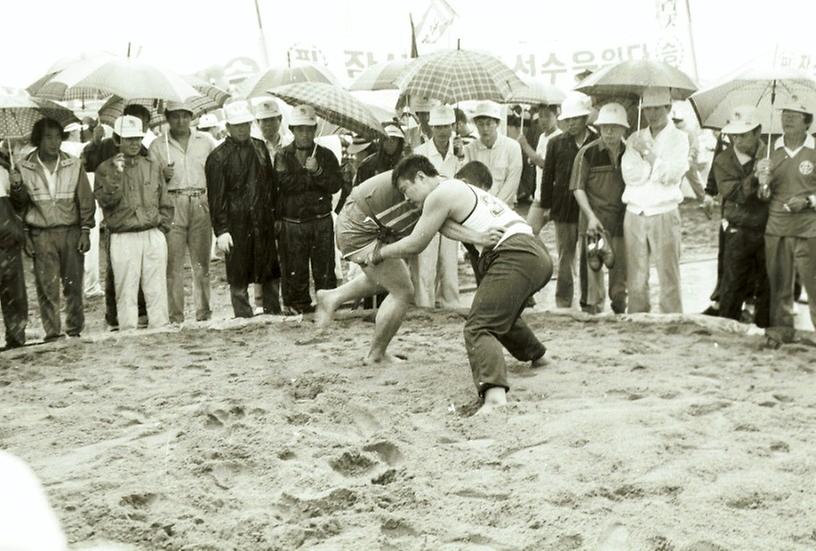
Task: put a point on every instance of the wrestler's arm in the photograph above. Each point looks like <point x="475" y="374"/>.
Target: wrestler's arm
<point x="435" y="212"/>
<point x="456" y="231"/>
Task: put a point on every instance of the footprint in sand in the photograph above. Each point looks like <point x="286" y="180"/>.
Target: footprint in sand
<point x="353" y="463"/>
<point x="386" y="451"/>
<point x="365" y="421"/>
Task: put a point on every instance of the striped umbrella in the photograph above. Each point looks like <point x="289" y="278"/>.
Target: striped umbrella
<point x="631" y="78"/>
<point x="257" y="85"/>
<point x="381" y="76"/>
<point x="458" y="75"/>
<point x="124" y="77"/>
<point x="19" y="112"/>
<point x="333" y="104"/>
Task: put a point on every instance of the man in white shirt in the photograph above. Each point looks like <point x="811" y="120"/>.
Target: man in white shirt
<point x="548" y="122"/>
<point x="653" y="166"/>
<point x="181" y="154"/>
<point x="499" y="153"/>
<point x="434" y="271"/>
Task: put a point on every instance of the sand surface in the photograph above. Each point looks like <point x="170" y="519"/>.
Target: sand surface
<point x="644" y="432"/>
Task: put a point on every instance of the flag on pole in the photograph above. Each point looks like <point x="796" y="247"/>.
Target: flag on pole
<point x="438" y="17"/>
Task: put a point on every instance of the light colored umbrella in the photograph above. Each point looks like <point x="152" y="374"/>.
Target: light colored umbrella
<point x="762" y="88"/>
<point x="124" y="77"/>
<point x="535" y="93"/>
<point x="62" y="64"/>
<point x="380" y="76"/>
<point x="209" y="98"/>
<point x="19" y="112"/>
<point x="333" y="104"/>
<point x="631" y="78"/>
<point x="258" y="85"/>
<point x="452" y="76"/>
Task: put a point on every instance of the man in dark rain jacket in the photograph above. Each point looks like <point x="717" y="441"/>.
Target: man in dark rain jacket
<point x="241" y="190"/>
<point x="308" y="175"/>
<point x="13" y="299"/>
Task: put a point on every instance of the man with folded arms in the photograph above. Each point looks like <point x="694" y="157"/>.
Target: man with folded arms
<point x="181" y="154"/>
<point x="653" y="166"/>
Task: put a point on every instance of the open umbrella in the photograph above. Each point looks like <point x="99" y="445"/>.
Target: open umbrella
<point x="333" y="104"/>
<point x="452" y="76"/>
<point x="62" y="64"/>
<point x="763" y="88"/>
<point x="631" y="78"/>
<point x="210" y="98"/>
<point x="535" y="93"/>
<point x="380" y="76"/>
<point x="19" y="112"/>
<point x="257" y="85"/>
<point x="124" y="77"/>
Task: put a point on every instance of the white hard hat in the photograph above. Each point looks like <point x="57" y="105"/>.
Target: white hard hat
<point x="575" y="105"/>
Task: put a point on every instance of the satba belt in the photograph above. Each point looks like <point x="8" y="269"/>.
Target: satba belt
<point x="192" y="192"/>
<point x="304" y="220"/>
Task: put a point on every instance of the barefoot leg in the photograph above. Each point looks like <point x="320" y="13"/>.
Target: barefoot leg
<point x="393" y="275"/>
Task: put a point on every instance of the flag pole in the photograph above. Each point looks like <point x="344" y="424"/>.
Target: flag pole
<point x="691" y="44"/>
<point x="264" y="50"/>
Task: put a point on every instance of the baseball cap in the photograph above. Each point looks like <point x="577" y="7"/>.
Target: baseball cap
<point x="303" y="115"/>
<point x="744" y="119"/>
<point x="442" y="115"/>
<point x="128" y="126"/>
<point x="489" y="109"/>
<point x="266" y="108"/>
<point x="612" y="113"/>
<point x="238" y="112"/>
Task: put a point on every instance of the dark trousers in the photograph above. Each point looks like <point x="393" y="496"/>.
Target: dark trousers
<point x="721" y="238"/>
<point x="744" y="274"/>
<point x="241" y="307"/>
<point x="305" y="244"/>
<point x="111" y="312"/>
<point x="58" y="265"/>
<point x="510" y="274"/>
<point x="13" y="298"/>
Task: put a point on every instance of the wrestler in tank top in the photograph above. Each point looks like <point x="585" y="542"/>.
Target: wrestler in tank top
<point x="490" y="212"/>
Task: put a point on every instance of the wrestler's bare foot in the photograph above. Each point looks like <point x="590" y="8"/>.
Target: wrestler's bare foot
<point x="324" y="311"/>
<point x="540" y="362"/>
<point x="494" y="398"/>
<point x="384" y="359"/>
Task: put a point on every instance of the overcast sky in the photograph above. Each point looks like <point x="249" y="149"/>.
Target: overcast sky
<point x="188" y="36"/>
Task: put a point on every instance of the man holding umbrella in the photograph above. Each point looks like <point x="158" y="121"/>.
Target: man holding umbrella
<point x="789" y="178"/>
<point x="308" y="176"/>
<point x="242" y="194"/>
<point x="181" y="154"/>
<point x="653" y="166"/>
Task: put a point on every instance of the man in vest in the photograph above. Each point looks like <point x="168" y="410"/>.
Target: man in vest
<point x="59" y="206"/>
<point x="512" y="271"/>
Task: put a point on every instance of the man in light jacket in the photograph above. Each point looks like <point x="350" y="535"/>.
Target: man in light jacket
<point x="653" y="166"/>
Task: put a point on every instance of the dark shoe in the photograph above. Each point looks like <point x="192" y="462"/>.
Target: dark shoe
<point x="607" y="255"/>
<point x="143" y="322"/>
<point x="53" y="338"/>
<point x="530" y="302"/>
<point x="712" y="311"/>
<point x="594" y="259"/>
